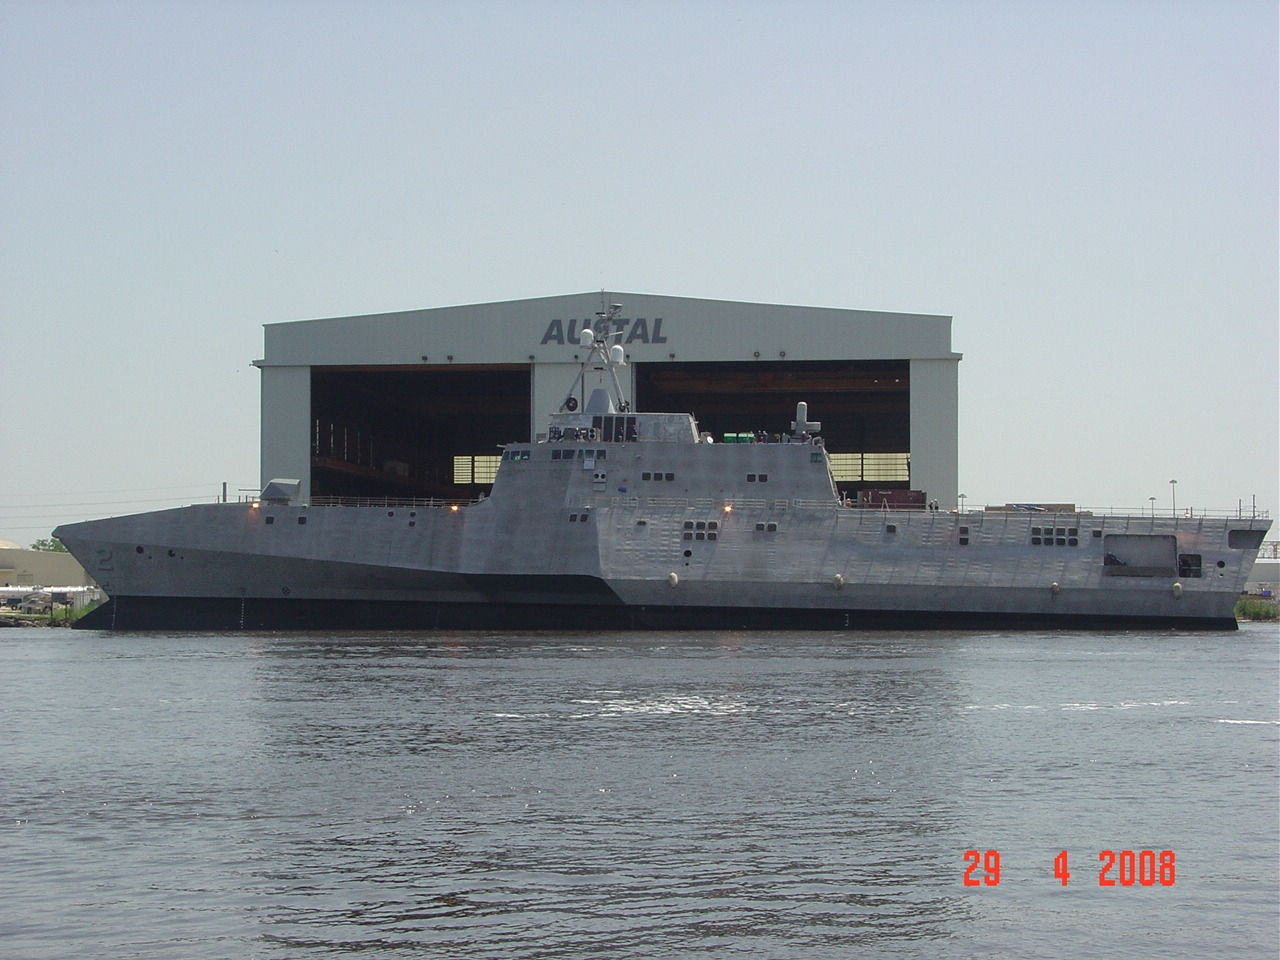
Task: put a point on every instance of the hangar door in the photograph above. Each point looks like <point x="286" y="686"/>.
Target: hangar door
<point x="401" y="432"/>
<point x="863" y="405"/>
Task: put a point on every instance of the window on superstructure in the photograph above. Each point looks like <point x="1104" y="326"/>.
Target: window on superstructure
<point x="1189" y="566"/>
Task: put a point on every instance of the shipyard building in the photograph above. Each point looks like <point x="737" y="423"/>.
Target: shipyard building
<point x="417" y="403"/>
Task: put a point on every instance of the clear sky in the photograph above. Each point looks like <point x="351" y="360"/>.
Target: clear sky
<point x="1089" y="189"/>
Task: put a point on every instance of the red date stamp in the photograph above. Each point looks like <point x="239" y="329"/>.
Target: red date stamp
<point x="1125" y="868"/>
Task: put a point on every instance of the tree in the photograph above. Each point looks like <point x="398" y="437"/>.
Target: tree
<point x="49" y="545"/>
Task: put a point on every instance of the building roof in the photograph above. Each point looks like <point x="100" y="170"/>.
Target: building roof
<point x="650" y="327"/>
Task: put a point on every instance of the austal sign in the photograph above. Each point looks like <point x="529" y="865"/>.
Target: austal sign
<point x="639" y="330"/>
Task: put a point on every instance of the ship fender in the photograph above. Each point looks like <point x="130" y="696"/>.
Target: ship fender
<point x="1177" y="591"/>
<point x="838" y="581"/>
<point x="673" y="579"/>
<point x="1055" y="588"/>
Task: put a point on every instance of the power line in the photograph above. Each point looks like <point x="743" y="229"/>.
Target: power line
<point x="87" y="493"/>
<point x="95" y="503"/>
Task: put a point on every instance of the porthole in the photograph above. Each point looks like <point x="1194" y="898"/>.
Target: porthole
<point x="701" y="525"/>
<point x="646" y="475"/>
<point x="573" y="518"/>
<point x="964" y="530"/>
<point x="1221" y="564"/>
<point x="712" y="535"/>
<point x="699" y="535"/>
<point x="671" y="476"/>
<point x="688" y="553"/>
<point x="302" y="521"/>
<point x="1035" y="532"/>
<point x="1097" y="534"/>
<point x="764" y="478"/>
<point x="713" y="524"/>
<point x="771" y="527"/>
<point x="413" y="523"/>
<point x="751" y="478"/>
<point x="1072" y="542"/>
<point x="760" y="527"/>
<point x="1035" y="541"/>
<point x="391" y="513"/>
<point x="891" y="528"/>
<point x="964" y="541"/>
<point x="688" y="535"/>
<point x="688" y="524"/>
<point x="269" y="520"/>
<point x="172" y="553"/>
<point x="139" y="550"/>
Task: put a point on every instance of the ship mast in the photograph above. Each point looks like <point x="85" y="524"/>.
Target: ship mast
<point x="601" y="359"/>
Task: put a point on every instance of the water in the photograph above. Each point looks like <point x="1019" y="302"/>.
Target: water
<point x="624" y="795"/>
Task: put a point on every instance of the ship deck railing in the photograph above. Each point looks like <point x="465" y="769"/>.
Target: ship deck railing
<point x="753" y="503"/>
<point x="395" y="503"/>
<point x="744" y="503"/>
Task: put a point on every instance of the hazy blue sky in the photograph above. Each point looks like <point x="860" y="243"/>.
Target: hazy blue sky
<point x="1089" y="189"/>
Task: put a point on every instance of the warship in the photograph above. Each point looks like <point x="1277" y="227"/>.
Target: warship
<point x="619" y="519"/>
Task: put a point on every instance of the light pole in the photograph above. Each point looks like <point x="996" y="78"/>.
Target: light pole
<point x="1173" y="493"/>
<point x="1153" y="505"/>
<point x="962" y="498"/>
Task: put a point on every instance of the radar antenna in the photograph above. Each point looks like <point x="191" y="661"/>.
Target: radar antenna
<point x="601" y="358"/>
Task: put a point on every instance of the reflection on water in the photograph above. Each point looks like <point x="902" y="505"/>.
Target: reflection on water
<point x="615" y="797"/>
<point x="628" y="795"/>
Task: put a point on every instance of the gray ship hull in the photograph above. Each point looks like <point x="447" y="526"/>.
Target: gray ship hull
<point x="621" y="520"/>
<point x="625" y="564"/>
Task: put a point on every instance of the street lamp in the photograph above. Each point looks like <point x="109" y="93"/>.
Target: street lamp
<point x="1153" y="505"/>
<point x="962" y="498"/>
<point x="1173" y="492"/>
